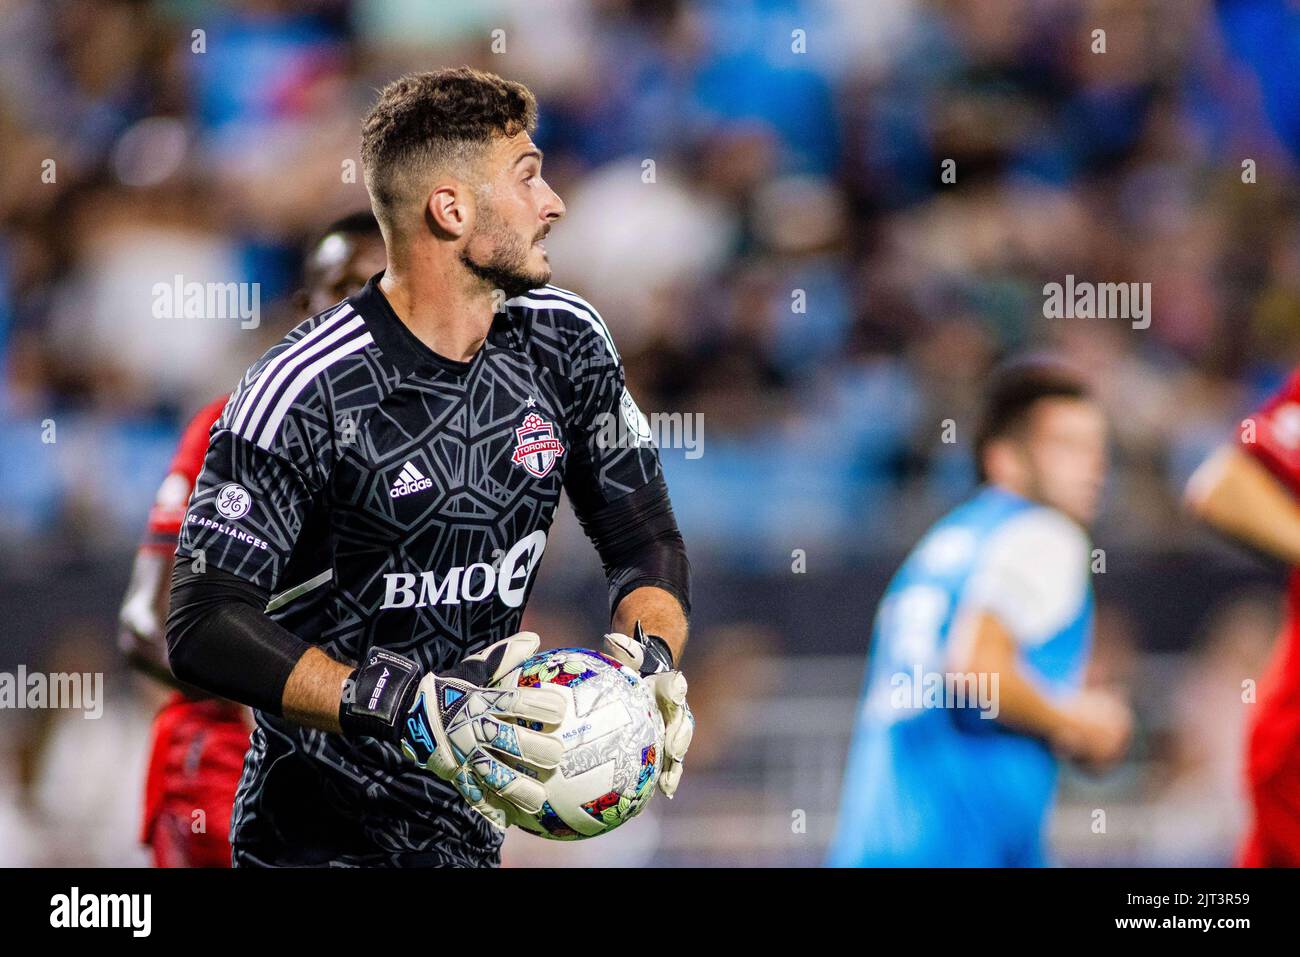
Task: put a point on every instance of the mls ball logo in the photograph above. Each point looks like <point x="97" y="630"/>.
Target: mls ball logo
<point x="537" y="447"/>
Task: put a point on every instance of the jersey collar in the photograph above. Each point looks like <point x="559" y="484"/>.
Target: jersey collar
<point x="404" y="348"/>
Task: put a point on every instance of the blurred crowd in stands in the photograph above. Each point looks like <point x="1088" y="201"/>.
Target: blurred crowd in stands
<point x="758" y="207"/>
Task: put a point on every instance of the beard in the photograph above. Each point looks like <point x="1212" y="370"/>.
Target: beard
<point x="505" y="267"/>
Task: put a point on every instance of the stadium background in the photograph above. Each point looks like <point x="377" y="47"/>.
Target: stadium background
<point x="774" y="170"/>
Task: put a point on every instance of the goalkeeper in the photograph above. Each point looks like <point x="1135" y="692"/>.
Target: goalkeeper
<point x="402" y="454"/>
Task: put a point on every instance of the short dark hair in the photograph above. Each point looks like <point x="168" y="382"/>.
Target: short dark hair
<point x="1014" y="388"/>
<point x="424" y="120"/>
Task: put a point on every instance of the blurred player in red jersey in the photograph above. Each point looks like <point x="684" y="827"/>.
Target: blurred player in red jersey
<point x="1250" y="490"/>
<point x="199" y="741"/>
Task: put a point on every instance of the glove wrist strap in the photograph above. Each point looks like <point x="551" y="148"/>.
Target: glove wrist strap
<point x="658" y="656"/>
<point x="378" y="696"/>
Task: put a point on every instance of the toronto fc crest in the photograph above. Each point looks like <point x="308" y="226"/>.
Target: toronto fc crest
<point x="537" y="447"/>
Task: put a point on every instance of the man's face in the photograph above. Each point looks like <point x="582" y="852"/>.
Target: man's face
<point x="514" y="210"/>
<point x="1064" y="454"/>
<point x="339" y="266"/>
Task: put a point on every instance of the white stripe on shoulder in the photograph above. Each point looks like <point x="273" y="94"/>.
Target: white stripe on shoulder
<point x="574" y="298"/>
<point x="1033" y="573"/>
<point x="262" y="382"/>
<point x="565" y="301"/>
<point x="601" y="326"/>
<point x="300" y="383"/>
<point x="268" y="395"/>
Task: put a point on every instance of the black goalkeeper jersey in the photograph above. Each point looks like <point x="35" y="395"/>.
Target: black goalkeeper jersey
<point x="407" y="498"/>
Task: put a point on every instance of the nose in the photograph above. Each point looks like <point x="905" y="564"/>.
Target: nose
<point x="553" y="209"/>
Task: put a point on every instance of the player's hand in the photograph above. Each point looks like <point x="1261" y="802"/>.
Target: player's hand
<point x="458" y="727"/>
<point x="457" y="723"/>
<point x="1097" y="729"/>
<point x="650" y="657"/>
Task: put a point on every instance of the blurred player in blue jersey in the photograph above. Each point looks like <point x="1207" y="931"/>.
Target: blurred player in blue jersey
<point x="974" y="680"/>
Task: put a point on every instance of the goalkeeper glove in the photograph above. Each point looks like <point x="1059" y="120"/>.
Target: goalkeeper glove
<point x="459" y="728"/>
<point x="652" y="659"/>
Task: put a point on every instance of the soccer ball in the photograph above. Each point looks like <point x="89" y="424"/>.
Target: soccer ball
<point x="613" y="738"/>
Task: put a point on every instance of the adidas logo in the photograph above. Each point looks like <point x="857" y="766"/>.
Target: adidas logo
<point x="410" y="481"/>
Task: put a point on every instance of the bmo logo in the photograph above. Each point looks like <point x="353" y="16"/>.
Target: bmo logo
<point x="469" y="583"/>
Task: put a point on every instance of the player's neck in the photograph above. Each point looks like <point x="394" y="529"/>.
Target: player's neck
<point x="441" y="308"/>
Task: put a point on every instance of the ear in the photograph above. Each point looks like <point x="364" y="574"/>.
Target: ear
<point x="448" y="210"/>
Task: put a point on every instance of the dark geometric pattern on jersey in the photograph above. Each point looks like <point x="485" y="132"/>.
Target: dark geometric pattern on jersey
<point x="427" y="486"/>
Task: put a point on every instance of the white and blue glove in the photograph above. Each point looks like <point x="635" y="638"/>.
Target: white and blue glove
<point x="461" y="729"/>
<point x="650" y="657"/>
